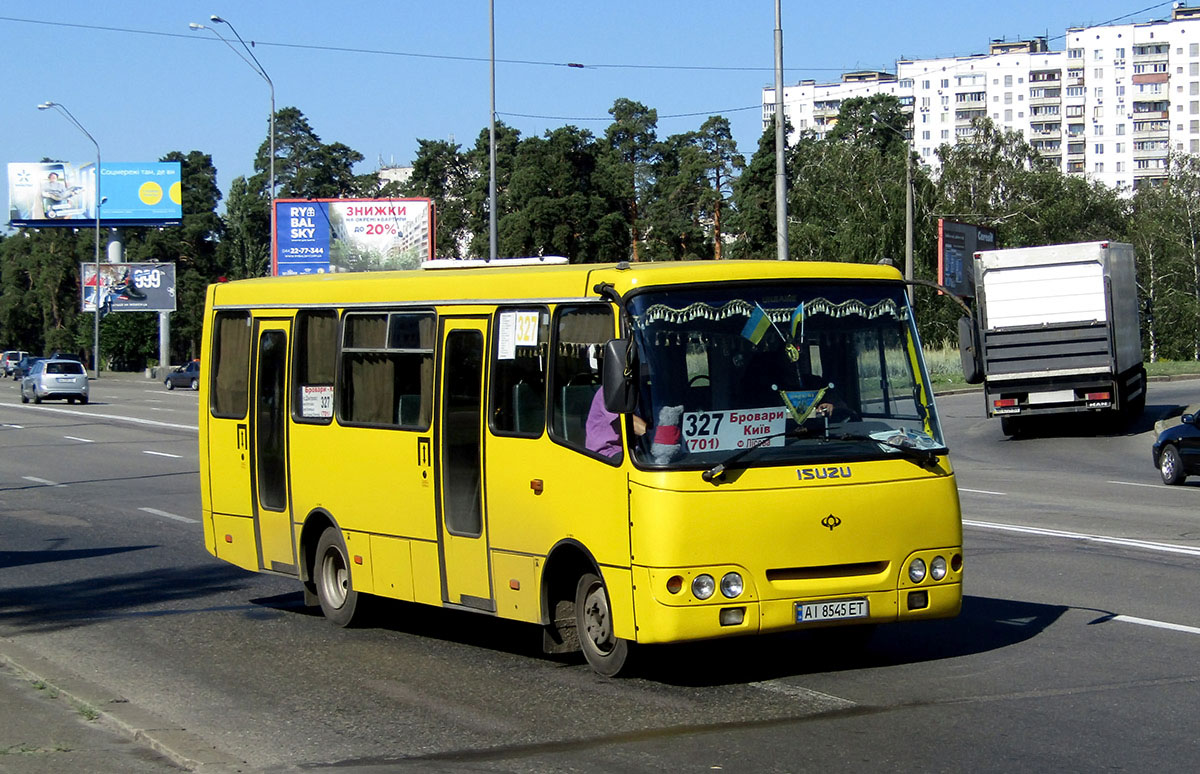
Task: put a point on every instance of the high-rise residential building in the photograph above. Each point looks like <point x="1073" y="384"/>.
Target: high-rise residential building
<point x="1109" y="106"/>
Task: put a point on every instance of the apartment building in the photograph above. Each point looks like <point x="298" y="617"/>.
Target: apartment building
<point x="1109" y="106"/>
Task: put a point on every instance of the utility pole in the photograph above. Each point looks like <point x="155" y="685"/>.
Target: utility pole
<point x="781" y="224"/>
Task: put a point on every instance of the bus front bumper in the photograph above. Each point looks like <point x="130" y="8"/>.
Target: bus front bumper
<point x="663" y="623"/>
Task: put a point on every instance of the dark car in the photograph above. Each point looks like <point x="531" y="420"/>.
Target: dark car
<point x="184" y="376"/>
<point x="1176" y="452"/>
<point x="24" y="365"/>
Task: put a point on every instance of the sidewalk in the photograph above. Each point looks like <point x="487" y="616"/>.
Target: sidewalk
<point x="54" y="721"/>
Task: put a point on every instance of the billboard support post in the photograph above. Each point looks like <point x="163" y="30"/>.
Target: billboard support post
<point x="96" y="206"/>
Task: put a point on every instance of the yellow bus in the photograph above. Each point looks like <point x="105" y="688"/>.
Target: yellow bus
<point x="619" y="454"/>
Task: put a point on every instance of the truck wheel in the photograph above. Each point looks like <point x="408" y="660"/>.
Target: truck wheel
<point x="1170" y="466"/>
<point x="603" y="650"/>
<point x="1011" y="426"/>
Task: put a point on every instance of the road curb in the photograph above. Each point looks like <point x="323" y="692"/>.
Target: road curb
<point x="172" y="741"/>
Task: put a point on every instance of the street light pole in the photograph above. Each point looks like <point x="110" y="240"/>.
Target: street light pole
<point x="781" y="221"/>
<point x="96" y="208"/>
<point x="257" y="67"/>
<point x="492" y="248"/>
<point x="908" y="196"/>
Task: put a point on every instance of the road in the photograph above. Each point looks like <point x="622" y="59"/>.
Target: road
<point x="1076" y="649"/>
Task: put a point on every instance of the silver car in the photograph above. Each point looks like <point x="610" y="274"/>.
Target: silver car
<point x="55" y="380"/>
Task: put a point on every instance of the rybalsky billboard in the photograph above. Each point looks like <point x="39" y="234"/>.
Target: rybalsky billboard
<point x="58" y="193"/>
<point x="318" y="236"/>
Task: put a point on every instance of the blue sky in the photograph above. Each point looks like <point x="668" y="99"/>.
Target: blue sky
<point x="379" y="75"/>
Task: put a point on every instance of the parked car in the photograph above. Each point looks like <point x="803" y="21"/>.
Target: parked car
<point x="1176" y="451"/>
<point x="8" y="362"/>
<point x="55" y="380"/>
<point x="23" y="366"/>
<point x="184" y="376"/>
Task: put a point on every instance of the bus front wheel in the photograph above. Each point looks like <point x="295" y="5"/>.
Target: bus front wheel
<point x="331" y="574"/>
<point x="604" y="651"/>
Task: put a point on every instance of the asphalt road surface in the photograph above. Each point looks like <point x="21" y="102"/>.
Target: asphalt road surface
<point x="1076" y="649"/>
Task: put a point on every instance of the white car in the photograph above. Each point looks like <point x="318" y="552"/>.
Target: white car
<point x="55" y="380"/>
<point x="8" y="364"/>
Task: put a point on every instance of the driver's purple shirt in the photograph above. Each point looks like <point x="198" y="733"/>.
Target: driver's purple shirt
<point x="602" y="432"/>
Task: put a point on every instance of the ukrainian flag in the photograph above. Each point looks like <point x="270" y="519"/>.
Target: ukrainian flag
<point x="757" y="325"/>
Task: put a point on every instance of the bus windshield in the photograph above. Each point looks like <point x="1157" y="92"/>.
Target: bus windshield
<point x="780" y="373"/>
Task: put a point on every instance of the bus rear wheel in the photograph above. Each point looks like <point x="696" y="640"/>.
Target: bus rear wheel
<point x="331" y="575"/>
<point x="604" y="651"/>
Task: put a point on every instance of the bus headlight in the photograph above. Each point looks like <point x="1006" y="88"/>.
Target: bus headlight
<point x="937" y="568"/>
<point x="732" y="585"/>
<point x="916" y="570"/>
<point x="703" y="586"/>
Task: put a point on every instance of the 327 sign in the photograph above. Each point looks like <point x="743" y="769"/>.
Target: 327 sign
<point x="721" y="430"/>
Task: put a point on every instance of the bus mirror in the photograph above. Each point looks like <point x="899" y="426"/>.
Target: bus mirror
<point x="619" y="377"/>
<point x="968" y="350"/>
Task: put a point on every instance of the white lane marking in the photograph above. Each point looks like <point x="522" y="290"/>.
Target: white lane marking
<point x="14" y="427"/>
<point x="166" y="515"/>
<point x="1151" y="486"/>
<point x="1148" y="545"/>
<point x="983" y="491"/>
<point x="162" y="454"/>
<point x="821" y="700"/>
<point x="42" y="481"/>
<point x="135" y="420"/>
<point x="1157" y="624"/>
<point x="77" y="438"/>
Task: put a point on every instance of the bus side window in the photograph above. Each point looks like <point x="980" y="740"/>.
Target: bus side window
<point x="518" y="391"/>
<point x="231" y="365"/>
<point x="387" y="369"/>
<point x="580" y="335"/>
<point x="315" y="365"/>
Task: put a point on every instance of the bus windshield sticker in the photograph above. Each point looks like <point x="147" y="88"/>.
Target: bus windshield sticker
<point x="527" y="329"/>
<point x="316" y="401"/>
<point x="506" y="336"/>
<point x="705" y="431"/>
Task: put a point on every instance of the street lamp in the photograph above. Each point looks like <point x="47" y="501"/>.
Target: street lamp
<point x="257" y="67"/>
<point x="96" y="206"/>
<point x="908" y="196"/>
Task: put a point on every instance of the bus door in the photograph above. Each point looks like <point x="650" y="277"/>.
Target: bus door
<point x="462" y="517"/>
<point x="270" y="492"/>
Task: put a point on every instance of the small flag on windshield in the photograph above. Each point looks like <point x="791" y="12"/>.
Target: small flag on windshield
<point x="798" y="321"/>
<point x="756" y="326"/>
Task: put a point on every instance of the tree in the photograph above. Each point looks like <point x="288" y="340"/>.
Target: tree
<point x="753" y="219"/>
<point x="632" y="139"/>
<point x="1165" y="231"/>
<point x="559" y="196"/>
<point x="478" y="197"/>
<point x="722" y="163"/>
<point x="441" y="174"/>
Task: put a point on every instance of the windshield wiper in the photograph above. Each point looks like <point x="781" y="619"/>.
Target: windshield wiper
<point x="898" y="443"/>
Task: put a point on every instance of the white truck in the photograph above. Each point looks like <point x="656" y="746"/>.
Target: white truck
<point x="1055" y="330"/>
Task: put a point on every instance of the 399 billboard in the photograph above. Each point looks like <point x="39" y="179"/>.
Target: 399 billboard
<point x="129" y="287"/>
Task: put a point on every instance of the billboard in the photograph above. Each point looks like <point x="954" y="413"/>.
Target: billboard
<point x="129" y="287"/>
<point x="318" y="236"/>
<point x="58" y="193"/>
<point x="957" y="243"/>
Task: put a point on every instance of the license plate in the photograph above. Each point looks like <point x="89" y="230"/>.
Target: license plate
<point x="831" y="610"/>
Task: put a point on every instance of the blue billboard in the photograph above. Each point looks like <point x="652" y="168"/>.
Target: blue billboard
<point x="59" y="193"/>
